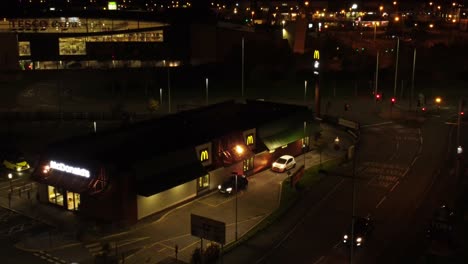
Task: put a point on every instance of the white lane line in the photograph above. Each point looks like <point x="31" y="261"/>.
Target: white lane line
<point x="381" y="201"/>
<point x="260" y="260"/>
<point x="337" y="244"/>
<point x="377" y="124"/>
<point x="395" y="185"/>
<point x="319" y="260"/>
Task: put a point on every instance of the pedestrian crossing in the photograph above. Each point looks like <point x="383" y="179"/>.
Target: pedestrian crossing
<point x="49" y="258"/>
<point x="382" y="175"/>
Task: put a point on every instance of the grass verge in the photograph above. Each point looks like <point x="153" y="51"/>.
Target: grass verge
<point x="289" y="196"/>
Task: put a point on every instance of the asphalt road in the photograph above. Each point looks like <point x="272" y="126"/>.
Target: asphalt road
<point x="12" y="228"/>
<point x="404" y="171"/>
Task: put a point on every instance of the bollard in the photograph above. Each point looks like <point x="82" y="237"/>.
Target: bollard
<point x="9" y="200"/>
<point x="19" y="192"/>
<point x="29" y="194"/>
<point x="176" y="251"/>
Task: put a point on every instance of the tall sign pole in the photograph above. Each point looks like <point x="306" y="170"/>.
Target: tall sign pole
<point x="412" y="79"/>
<point x="396" y="66"/>
<point x="317" y="85"/>
<point x="376" y="75"/>
<point x="242" y="92"/>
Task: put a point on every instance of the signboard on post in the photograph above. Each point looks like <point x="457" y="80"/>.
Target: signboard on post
<point x="348" y="123"/>
<point x="207" y="228"/>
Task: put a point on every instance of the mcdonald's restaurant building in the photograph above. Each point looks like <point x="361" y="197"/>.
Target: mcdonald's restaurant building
<point x="123" y="175"/>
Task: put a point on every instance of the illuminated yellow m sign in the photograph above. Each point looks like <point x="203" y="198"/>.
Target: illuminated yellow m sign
<point x="316" y="55"/>
<point x="249" y="140"/>
<point x="204" y="155"/>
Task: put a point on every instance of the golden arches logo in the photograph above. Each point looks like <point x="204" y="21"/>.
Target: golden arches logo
<point x="204" y="155"/>
<point x="250" y="140"/>
<point x="316" y="55"/>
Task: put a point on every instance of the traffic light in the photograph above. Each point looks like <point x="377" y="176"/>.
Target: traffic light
<point x="378" y="97"/>
<point x="423" y="109"/>
<point x="462" y="113"/>
<point x="393" y="100"/>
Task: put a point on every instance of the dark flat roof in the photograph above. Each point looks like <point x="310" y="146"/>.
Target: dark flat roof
<point x="176" y="131"/>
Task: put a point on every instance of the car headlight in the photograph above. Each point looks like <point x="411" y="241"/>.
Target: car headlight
<point x="18" y="168"/>
<point x="345" y="237"/>
<point x="229" y="189"/>
<point x="219" y="187"/>
<point x="359" y="239"/>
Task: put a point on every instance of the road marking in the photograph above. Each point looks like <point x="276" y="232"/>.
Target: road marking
<point x="337" y="244"/>
<point x="394" y="186"/>
<point x="49" y="258"/>
<point x="319" y="260"/>
<point x="377" y="124"/>
<point x="381" y="201"/>
<point x="300" y="222"/>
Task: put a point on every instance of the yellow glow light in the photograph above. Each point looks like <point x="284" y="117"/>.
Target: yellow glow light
<point x="438" y="100"/>
<point x="239" y="149"/>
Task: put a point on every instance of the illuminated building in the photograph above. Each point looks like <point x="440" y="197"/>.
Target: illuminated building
<point x="126" y="174"/>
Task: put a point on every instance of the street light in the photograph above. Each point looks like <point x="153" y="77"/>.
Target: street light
<point x="206" y="91"/>
<point x="10" y="177"/>
<point x="396" y="65"/>
<point x="236" y="209"/>
<point x="240" y="150"/>
<point x="305" y="91"/>
<point x="438" y="100"/>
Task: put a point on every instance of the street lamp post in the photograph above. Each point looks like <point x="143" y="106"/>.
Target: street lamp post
<point x="160" y="97"/>
<point x="375" y="29"/>
<point x="169" y="89"/>
<point x="396" y="66"/>
<point x="376" y="74"/>
<point x="236" y="210"/>
<point x="304" y="144"/>
<point x="353" y="205"/>
<point x="412" y="80"/>
<point x="242" y="92"/>
<point x="10" y="177"/>
<point x="305" y="92"/>
<point x="206" y="90"/>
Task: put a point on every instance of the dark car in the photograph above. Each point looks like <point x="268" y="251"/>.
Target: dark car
<point x="441" y="225"/>
<point x="363" y="227"/>
<point x="229" y="186"/>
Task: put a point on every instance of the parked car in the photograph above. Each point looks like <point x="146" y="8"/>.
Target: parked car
<point x="284" y="163"/>
<point x="14" y="160"/>
<point x="229" y="186"/>
<point x="363" y="227"/>
<point x="441" y="226"/>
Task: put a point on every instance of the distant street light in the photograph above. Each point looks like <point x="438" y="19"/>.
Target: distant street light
<point x="10" y="177"/>
<point x="305" y="92"/>
<point x="206" y="81"/>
